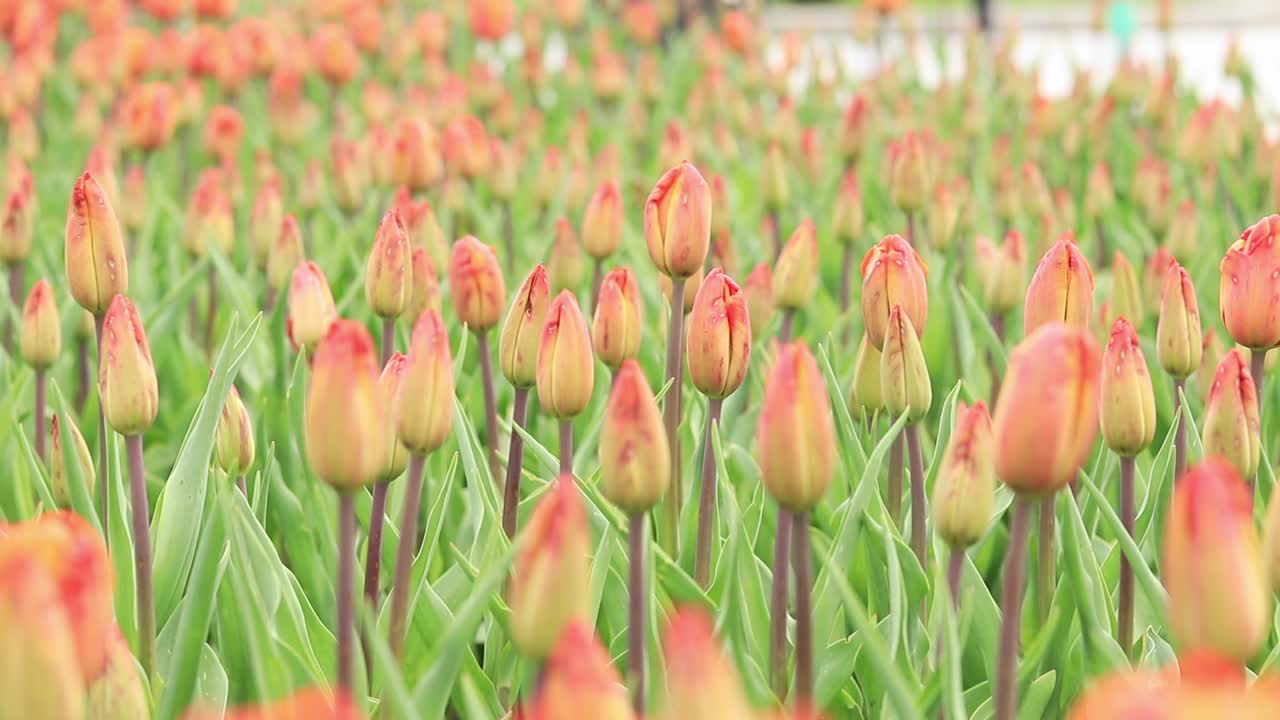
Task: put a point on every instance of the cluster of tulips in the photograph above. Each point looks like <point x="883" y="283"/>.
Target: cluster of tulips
<point x="289" y="133"/>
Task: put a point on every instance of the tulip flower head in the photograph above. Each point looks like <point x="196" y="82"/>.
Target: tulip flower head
<point x="475" y="284"/>
<point x="522" y="330"/>
<point x="795" y="278"/>
<point x="602" y="222"/>
<point x="126" y="373"/>
<point x="893" y="274"/>
<point x="61" y="427"/>
<point x="1231" y="425"/>
<point x="1178" y="336"/>
<point x="964" y="494"/>
<point x="233" y="441"/>
<point x="701" y="681"/>
<point x="97" y="269"/>
<point x="759" y="290"/>
<point x="1212" y="565"/>
<point x="1061" y="290"/>
<point x="566" y="368"/>
<point x="565" y="265"/>
<point x="795" y="434"/>
<point x="311" y="307"/>
<point x="422" y="405"/>
<point x="635" y="460"/>
<point x="41" y="334"/>
<point x="1001" y="270"/>
<point x="388" y="276"/>
<point x="719" y="341"/>
<point x="1250" y="278"/>
<point x="580" y="682"/>
<point x="1128" y="413"/>
<point x="677" y="221"/>
<point x="904" y="377"/>
<point x="550" y="581"/>
<point x="345" y="422"/>
<point x="618" y="324"/>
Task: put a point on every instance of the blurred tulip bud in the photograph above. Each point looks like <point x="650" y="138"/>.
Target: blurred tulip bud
<point x="1203" y="684"/>
<point x="1178" y="337"/>
<point x="423" y="229"/>
<point x="149" y="115"/>
<point x="795" y="278"/>
<point x="1128" y="414"/>
<point x="491" y="19"/>
<point x="702" y="682"/>
<point x="345" y="421"/>
<point x="904" y="376"/>
<point x="847" y="215"/>
<point x="119" y="694"/>
<point x="350" y="174"/>
<point x="264" y="222"/>
<point x="1061" y="290"/>
<point x="209" y="220"/>
<point x="233" y="442"/>
<point x="311" y="308"/>
<point x="1126" y="293"/>
<point x="759" y="290"/>
<point x="1212" y="353"/>
<point x="522" y="330"/>
<point x="677" y="221"/>
<point x="313" y="188"/>
<point x="893" y="274"/>
<point x="1153" y="276"/>
<point x="635" y="461"/>
<point x="775" y="186"/>
<point x="965" y="491"/>
<point x="1231" y="423"/>
<point x="126" y="374"/>
<point x="97" y="269"/>
<point x="59" y="481"/>
<point x="467" y="148"/>
<point x="550" y="581"/>
<point x="579" y="682"/>
<point x="41" y="677"/>
<point x="133" y="205"/>
<point x="618" y="324"/>
<point x="223" y="131"/>
<point x="565" y="265"/>
<point x="423" y="404"/>
<point x="602" y="222"/>
<point x="1212" y="565"/>
<point x="333" y="54"/>
<point x="1047" y="414"/>
<point x="41" y="334"/>
<point x="394" y="453"/>
<point x="1250" y="275"/>
<point x="68" y="554"/>
<point x="308" y="704"/>
<point x="17" y="227"/>
<point x="1183" y="238"/>
<point x="286" y="253"/>
<point x="1002" y="271"/>
<point x="943" y="215"/>
<point x="795" y="434"/>
<point x="855" y="127"/>
<point x="388" y="275"/>
<point x="566" y="368"/>
<point x="475" y="284"/>
<point x="504" y="175"/>
<point x="866" y="396"/>
<point x="719" y="339"/>
<point x="909" y="173"/>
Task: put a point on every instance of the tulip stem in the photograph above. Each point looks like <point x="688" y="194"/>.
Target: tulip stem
<point x="490" y="402"/>
<point x="788" y="325"/>
<point x="39" y="415"/>
<point x="636" y="613"/>
<point x="566" y="447"/>
<point x="144" y="595"/>
<point x="707" y="501"/>
<point x="775" y="235"/>
<point x="373" y="554"/>
<point x="240" y="484"/>
<point x="894" y="500"/>
<point x="670" y="536"/>
<point x="1258" y="368"/>
<point x="82" y="373"/>
<point x="1124" y="626"/>
<point x="388" y="339"/>
<point x="404" y="554"/>
<point x="918" y="535"/>
<point x="1180" y="433"/>
<point x="346" y="579"/>
<point x="911" y="228"/>
<point x="597" y="277"/>
<point x="1046" y="572"/>
<point x="804" y="611"/>
<point x="778" y="605"/>
<point x="955" y="567"/>
<point x="1100" y="243"/>
<point x="104" y="495"/>
<point x="515" y="459"/>
<point x="212" y="314"/>
<point x="1015" y="579"/>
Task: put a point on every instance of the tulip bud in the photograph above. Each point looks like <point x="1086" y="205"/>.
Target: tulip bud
<point x="1047" y="413"/>
<point x="1126" y="293"/>
<point x="893" y="274"/>
<point x="424" y="292"/>
<point x="1183" y="238"/>
<point x="759" y="290"/>
<point x="677" y="221"/>
<point x="1061" y="290"/>
<point x="551" y="577"/>
<point x="1271" y="541"/>
<point x="909" y="173"/>
<point x="1211" y="355"/>
<point x="119" y="693"/>
<point x="1212" y="567"/>
<point x="866" y="396"/>
<point x="39" y="671"/>
<point x="69" y="554"/>
<point x="475" y="284"/>
<point x="1001" y="271"/>
<point x="395" y="454"/>
<point x="796" y="276"/>
<point x="719" y="340"/>
<point x="518" y="344"/>
<point x="17" y="224"/>
<point x="579" y="681"/>
<point x="904" y="376"/>
<point x="233" y="443"/>
<point x="565" y="266"/>
<point x="388" y="274"/>
<point x="1178" y="339"/>
<point x="1128" y="415"/>
<point x="285" y="254"/>
<point x="1250" y="275"/>
<point x="126" y="374"/>
<point x="1231" y="425"/>
<point x="345" y="421"/>
<point x="635" y="461"/>
<point x="847" y="215"/>
<point x="423" y="404"/>
<point x="943" y="215"/>
<point x="702" y="682"/>
<point x="602" y="222"/>
<point x="775" y="189"/>
<point x="566" y="369"/>
<point x="97" y="269"/>
<point x="59" y="482"/>
<point x="965" y="491"/>
<point x="41" y="334"/>
<point x="265" y="220"/>
<point x="311" y="308"/>
<point x="618" y="324"/>
<point x="209" y="220"/>
<point x="795" y="434"/>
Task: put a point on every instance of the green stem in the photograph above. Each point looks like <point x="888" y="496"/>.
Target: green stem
<point x="670" y="536"/>
<point x="144" y="593"/>
<point x="1015" y="579"/>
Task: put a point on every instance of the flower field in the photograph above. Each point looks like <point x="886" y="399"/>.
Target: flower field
<point x="570" y="360"/>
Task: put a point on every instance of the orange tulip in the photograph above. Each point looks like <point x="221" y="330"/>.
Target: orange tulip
<point x="579" y="681"/>
<point x="1248" y="290"/>
<point x="346" y="417"/>
<point x="719" y="341"/>
<point x="1061" y="290"/>
<point x="475" y="284"/>
<point x="1231" y="424"/>
<point x="893" y="274"/>
<point x="677" y="221"/>
<point x="618" y="323"/>
<point x="795" y="434"/>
